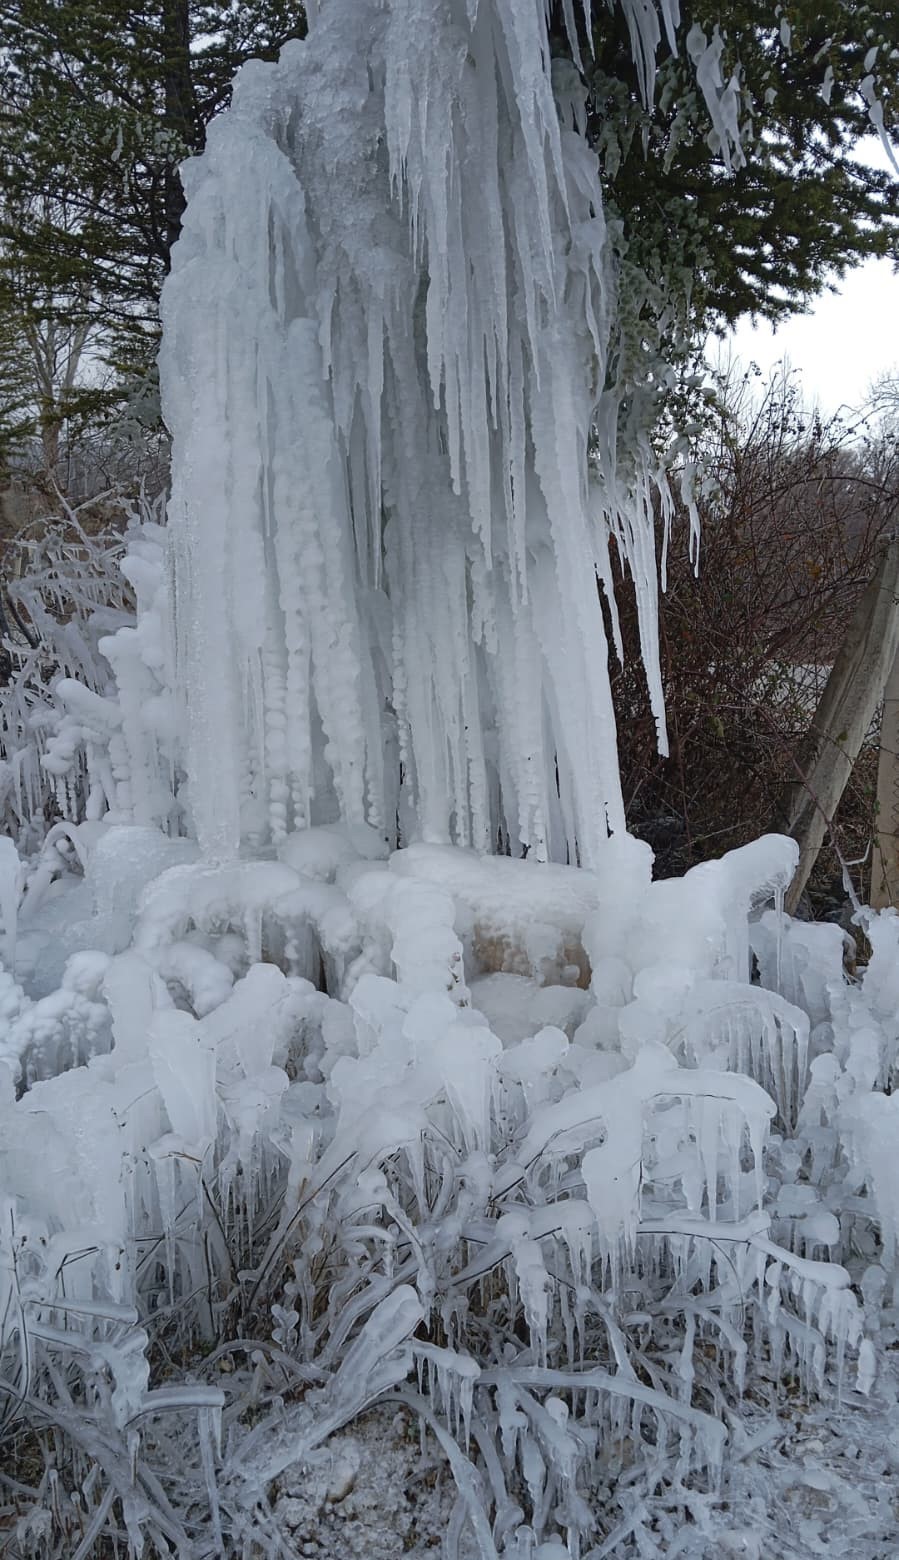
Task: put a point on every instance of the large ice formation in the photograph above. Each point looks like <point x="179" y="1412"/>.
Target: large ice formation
<point x="390" y="340"/>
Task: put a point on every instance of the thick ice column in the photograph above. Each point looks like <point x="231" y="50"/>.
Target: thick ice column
<point x="386" y="334"/>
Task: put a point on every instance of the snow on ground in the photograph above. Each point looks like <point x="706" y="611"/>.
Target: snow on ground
<point x="818" y="1478"/>
<point x="373" y="1494"/>
<point x="823" y="1481"/>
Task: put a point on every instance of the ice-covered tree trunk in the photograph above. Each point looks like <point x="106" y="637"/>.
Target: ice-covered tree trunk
<point x="389" y="338"/>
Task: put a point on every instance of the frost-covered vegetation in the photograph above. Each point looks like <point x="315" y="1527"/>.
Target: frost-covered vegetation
<point x="309" y="1103"/>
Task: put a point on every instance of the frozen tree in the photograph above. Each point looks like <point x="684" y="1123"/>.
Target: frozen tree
<point x="434" y="405"/>
<point x="389" y="517"/>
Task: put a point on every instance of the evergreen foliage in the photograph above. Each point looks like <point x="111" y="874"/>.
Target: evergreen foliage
<point x="813" y="81"/>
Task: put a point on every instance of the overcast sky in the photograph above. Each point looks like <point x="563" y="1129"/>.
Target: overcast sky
<point x="849" y="338"/>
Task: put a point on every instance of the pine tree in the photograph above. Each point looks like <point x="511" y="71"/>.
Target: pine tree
<point x="814" y="78"/>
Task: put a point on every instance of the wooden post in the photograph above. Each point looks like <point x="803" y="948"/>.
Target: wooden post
<point x="885" y="868"/>
<point x="844" y="716"/>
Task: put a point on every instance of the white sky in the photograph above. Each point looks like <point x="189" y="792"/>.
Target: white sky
<point x="847" y="340"/>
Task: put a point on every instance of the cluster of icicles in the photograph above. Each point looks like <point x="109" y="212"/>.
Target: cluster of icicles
<point x="390" y="338"/>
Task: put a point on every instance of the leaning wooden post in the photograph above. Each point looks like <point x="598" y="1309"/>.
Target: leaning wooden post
<point x="844" y="716"/>
<point x="885" y="868"/>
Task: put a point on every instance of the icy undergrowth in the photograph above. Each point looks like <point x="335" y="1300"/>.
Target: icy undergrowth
<point x="268" y="1123"/>
<point x="67" y="594"/>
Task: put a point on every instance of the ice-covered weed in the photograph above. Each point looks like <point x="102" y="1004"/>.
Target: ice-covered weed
<point x="556" y="1251"/>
